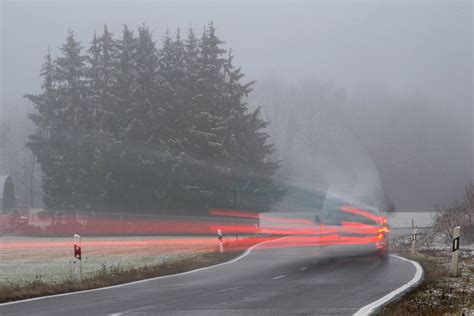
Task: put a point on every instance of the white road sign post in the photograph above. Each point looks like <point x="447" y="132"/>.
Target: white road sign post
<point x="77" y="257"/>
<point x="455" y="251"/>
<point x="414" y="236"/>
<point x="221" y="243"/>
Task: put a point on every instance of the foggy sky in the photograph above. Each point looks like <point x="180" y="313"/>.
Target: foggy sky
<point x="409" y="47"/>
<point x="404" y="45"/>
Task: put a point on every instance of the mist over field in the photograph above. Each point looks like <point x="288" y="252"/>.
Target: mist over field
<point x="365" y="99"/>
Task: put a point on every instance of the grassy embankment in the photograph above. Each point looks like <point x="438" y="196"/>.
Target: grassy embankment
<point x="439" y="293"/>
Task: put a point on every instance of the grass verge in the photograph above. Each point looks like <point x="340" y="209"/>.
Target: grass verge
<point x="113" y="275"/>
<point x="439" y="294"/>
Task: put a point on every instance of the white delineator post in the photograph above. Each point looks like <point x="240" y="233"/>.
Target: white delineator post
<point x="414" y="236"/>
<point x="455" y="251"/>
<point x="219" y="238"/>
<point x="77" y="257"/>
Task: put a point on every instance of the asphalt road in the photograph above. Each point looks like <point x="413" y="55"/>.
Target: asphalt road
<point x="273" y="279"/>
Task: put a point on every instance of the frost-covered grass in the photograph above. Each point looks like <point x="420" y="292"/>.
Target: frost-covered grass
<point x="439" y="294"/>
<point x="118" y="273"/>
<point x="51" y="259"/>
<point x="110" y="275"/>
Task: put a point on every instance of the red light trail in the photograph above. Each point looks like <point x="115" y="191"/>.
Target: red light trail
<point x="304" y="232"/>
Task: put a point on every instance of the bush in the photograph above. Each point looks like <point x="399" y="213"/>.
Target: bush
<point x="458" y="214"/>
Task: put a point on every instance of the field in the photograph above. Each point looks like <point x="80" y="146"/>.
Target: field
<point x="51" y="259"/>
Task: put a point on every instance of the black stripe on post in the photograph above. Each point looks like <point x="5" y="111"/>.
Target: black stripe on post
<point x="456" y="244"/>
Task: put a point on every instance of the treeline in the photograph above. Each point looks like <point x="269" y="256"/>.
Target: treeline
<point x="129" y="126"/>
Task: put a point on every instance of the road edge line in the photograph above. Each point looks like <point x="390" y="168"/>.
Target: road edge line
<point x="372" y="307"/>
<point x="245" y="254"/>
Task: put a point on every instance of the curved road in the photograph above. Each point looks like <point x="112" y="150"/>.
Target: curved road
<point x="273" y="279"/>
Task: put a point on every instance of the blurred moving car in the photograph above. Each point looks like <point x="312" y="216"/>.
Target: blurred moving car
<point x="347" y="230"/>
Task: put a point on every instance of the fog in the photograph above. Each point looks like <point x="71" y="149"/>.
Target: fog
<point x="362" y="97"/>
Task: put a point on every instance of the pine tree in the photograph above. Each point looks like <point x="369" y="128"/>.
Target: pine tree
<point x="135" y="128"/>
<point x="172" y="74"/>
<point x="243" y="149"/>
<point x="206" y="104"/>
<point x="77" y="120"/>
<point x="101" y="80"/>
<point x="247" y="142"/>
<point x="47" y="108"/>
<point x="224" y="146"/>
<point x="61" y="142"/>
<point x="117" y="116"/>
<point x="146" y="113"/>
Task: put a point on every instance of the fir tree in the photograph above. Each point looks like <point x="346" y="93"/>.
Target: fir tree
<point x="101" y="80"/>
<point x="77" y="120"/>
<point x="144" y="154"/>
<point x="47" y="108"/>
<point x="116" y="117"/>
<point x="135" y="128"/>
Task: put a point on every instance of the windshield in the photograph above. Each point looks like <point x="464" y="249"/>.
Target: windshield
<point x="344" y="216"/>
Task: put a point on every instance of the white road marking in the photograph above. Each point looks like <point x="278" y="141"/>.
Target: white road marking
<point x="245" y="254"/>
<point x="370" y="308"/>
<point x="303" y="268"/>
<point x="228" y="289"/>
<point x="365" y="310"/>
<point x="279" y="277"/>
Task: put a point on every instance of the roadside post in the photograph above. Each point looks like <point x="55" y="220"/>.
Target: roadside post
<point x="219" y="238"/>
<point x="77" y="257"/>
<point x="414" y="237"/>
<point x="455" y="251"/>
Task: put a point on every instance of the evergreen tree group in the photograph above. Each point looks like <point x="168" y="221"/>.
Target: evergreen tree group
<point x="128" y="126"/>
